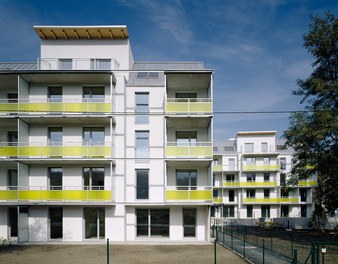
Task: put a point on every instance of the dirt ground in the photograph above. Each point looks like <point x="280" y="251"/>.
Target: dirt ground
<point x="126" y="254"/>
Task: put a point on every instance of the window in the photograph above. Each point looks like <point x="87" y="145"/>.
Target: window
<point x="282" y="178"/>
<point x="186" y="138"/>
<point x="55" y="94"/>
<point x="142" y="144"/>
<point x="215" y="193"/>
<point x="265" y="211"/>
<point x="284" y="193"/>
<point x="55" y="222"/>
<point x="93" y="178"/>
<point x="100" y="64"/>
<point x="249" y="147"/>
<point x="231" y="195"/>
<point x="214" y="149"/>
<point x="142" y="184"/>
<point x="230" y="178"/>
<point x="266" y="176"/>
<point x="250" y="193"/>
<point x="152" y="222"/>
<point x="147" y="75"/>
<point x="13" y="221"/>
<point x="282" y="162"/>
<point x="284" y="210"/>
<point x="303" y="210"/>
<point x="12" y="137"/>
<point x="93" y="94"/>
<point x="231" y="164"/>
<point x="12" y="97"/>
<point x="266" y="193"/>
<point x="93" y="136"/>
<point x="55" y="178"/>
<point x="189" y="222"/>
<point x="303" y="195"/>
<point x="65" y="64"/>
<point x="142" y="106"/>
<point x="250" y="161"/>
<point x="266" y="161"/>
<point x="55" y="136"/>
<point x="249" y="210"/>
<point x="228" y="211"/>
<point x="264" y="147"/>
<point x="12" y="179"/>
<point x="184" y="97"/>
<point x="212" y="212"/>
<point x="94" y="222"/>
<point x="250" y="177"/>
<point x="186" y="179"/>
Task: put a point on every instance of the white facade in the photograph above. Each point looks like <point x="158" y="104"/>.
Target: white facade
<point x="95" y="146"/>
<point x="250" y="173"/>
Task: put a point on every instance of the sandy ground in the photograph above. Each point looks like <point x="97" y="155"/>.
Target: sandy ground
<point x="126" y="254"/>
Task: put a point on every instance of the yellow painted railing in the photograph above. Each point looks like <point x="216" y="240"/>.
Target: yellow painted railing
<point x="55" y="195"/>
<point x="56" y="151"/>
<point x="189" y="195"/>
<point x="217" y="168"/>
<point x="217" y="200"/>
<point x="195" y="105"/>
<point x="33" y="107"/>
<point x="260" y="168"/>
<point x="271" y="200"/>
<point x="249" y="184"/>
<point x="307" y="183"/>
<point x="200" y="150"/>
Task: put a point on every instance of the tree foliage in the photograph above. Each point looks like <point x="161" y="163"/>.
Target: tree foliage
<point x="313" y="133"/>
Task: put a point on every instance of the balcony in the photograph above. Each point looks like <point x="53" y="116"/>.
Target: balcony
<point x="188" y="105"/>
<point x="307" y="183"/>
<point x="45" y="106"/>
<point x="41" y="194"/>
<point x="189" y="150"/>
<point x="217" y="200"/>
<point x="249" y="184"/>
<point x="65" y="150"/>
<point x="78" y="64"/>
<point x="219" y="168"/>
<point x="271" y="200"/>
<point x="189" y="193"/>
<point x="261" y="167"/>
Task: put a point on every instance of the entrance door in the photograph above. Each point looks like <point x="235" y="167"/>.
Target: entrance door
<point x="23" y="224"/>
<point x="55" y="222"/>
<point x="189" y="222"/>
<point x="13" y="221"/>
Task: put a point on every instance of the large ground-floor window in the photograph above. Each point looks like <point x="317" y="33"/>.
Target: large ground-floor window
<point x="94" y="222"/>
<point x="152" y="222"/>
<point x="55" y="220"/>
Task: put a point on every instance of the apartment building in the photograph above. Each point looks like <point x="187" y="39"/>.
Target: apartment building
<point x="249" y="173"/>
<point x="95" y="145"/>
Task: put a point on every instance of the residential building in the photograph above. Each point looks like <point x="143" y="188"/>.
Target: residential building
<point x="250" y="174"/>
<point x="95" y="145"/>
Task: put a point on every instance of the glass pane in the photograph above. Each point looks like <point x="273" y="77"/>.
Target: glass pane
<point x="189" y="222"/>
<point x="102" y="222"/>
<point x="55" y="94"/>
<point x="90" y="216"/>
<point x="55" y="136"/>
<point x="13" y="221"/>
<point x="55" y="178"/>
<point x="231" y="195"/>
<point x="55" y="216"/>
<point x="182" y="178"/>
<point x="159" y="222"/>
<point x="98" y="136"/>
<point x="142" y="225"/>
<point x="86" y="178"/>
<point x="142" y="184"/>
<point x="97" y="176"/>
<point x="65" y="64"/>
<point x="103" y="64"/>
<point x="142" y="144"/>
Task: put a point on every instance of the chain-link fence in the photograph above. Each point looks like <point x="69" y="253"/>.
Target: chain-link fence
<point x="126" y="253"/>
<point x="274" y="249"/>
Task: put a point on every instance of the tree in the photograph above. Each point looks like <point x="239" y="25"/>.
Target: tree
<point x="313" y="133"/>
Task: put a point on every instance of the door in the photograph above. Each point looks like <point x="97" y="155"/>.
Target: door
<point x="12" y="179"/>
<point x="13" y="221"/>
<point x="23" y="234"/>
<point x="189" y="222"/>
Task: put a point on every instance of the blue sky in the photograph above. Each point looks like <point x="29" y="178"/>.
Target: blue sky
<point x="255" y="47"/>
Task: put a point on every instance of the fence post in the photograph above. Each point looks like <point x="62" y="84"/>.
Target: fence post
<point x="215" y="256"/>
<point x="271" y="243"/>
<point x="263" y="252"/>
<point x="295" y="257"/>
<point x="223" y="236"/>
<point x="107" y="250"/>
<point x="232" y="247"/>
<point x="244" y="246"/>
<point x="291" y="248"/>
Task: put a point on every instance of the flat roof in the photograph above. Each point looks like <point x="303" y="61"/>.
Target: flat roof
<point x="81" y="32"/>
<point x="251" y="133"/>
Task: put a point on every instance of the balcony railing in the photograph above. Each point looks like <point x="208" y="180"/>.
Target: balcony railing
<point x="42" y="194"/>
<point x="261" y="167"/>
<point x="188" y="105"/>
<point x="77" y="64"/>
<point x="62" y="150"/>
<point x="224" y="168"/>
<point x="217" y="200"/>
<point x="200" y="149"/>
<point x="189" y="193"/>
<point x="271" y="200"/>
<point x="47" y="106"/>
<point x="307" y="183"/>
<point x="249" y="184"/>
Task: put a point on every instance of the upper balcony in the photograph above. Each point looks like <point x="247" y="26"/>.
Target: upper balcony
<point x="232" y="184"/>
<point x="188" y="106"/>
<point x="68" y="64"/>
<point x="261" y="167"/>
<point x="189" y="194"/>
<point x="279" y="200"/>
<point x="84" y="106"/>
<point x="70" y="150"/>
<point x="220" y="168"/>
<point x="189" y="150"/>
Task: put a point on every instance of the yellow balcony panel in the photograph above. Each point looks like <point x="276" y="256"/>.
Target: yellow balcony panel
<point x="8" y="107"/>
<point x="8" y="151"/>
<point x="270" y="200"/>
<point x="188" y="195"/>
<point x="189" y="151"/>
<point x="55" y="195"/>
<point x="176" y="107"/>
<point x="177" y="195"/>
<point x="217" y="168"/>
<point x="200" y="107"/>
<point x="217" y="200"/>
<point x="249" y="184"/>
<point x="261" y="168"/>
<point x="231" y="184"/>
<point x="307" y="183"/>
<point x="201" y="195"/>
<point x="187" y="106"/>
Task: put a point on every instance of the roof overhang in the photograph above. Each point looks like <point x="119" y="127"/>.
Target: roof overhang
<point x="81" y="32"/>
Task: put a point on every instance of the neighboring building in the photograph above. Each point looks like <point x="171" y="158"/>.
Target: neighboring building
<point x="97" y="146"/>
<point x="249" y="173"/>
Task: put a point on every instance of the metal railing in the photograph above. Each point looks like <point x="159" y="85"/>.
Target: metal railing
<point x="178" y="149"/>
<point x="189" y="193"/>
<point x="77" y="64"/>
<point x="188" y="105"/>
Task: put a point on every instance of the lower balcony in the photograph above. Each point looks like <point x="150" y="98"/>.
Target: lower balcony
<point x="261" y="167"/>
<point x="271" y="200"/>
<point x="249" y="184"/>
<point x="307" y="183"/>
<point x="67" y="150"/>
<point x="192" y="194"/>
<point x="201" y="150"/>
<point x="41" y="194"/>
<point x="188" y="105"/>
